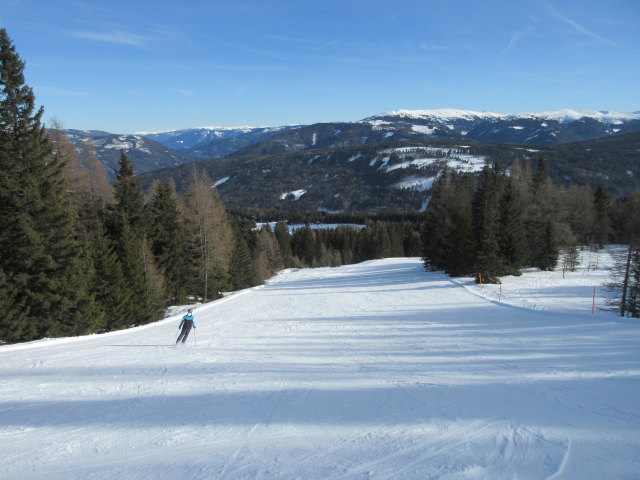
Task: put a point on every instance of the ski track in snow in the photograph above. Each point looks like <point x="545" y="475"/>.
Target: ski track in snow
<point x="371" y="371"/>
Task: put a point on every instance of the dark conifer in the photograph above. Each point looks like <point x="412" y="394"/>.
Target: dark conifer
<point x="541" y="222"/>
<point x="109" y="285"/>
<point x="489" y="261"/>
<point x="512" y="236"/>
<point x="242" y="271"/>
<point x="129" y="204"/>
<point x="127" y="222"/>
<point x="40" y="258"/>
<point x="284" y="241"/>
<point x="461" y="246"/>
<point x="436" y="231"/>
<point x="169" y="243"/>
<point x="602" y="226"/>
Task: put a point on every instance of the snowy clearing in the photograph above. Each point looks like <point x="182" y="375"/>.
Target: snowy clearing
<point x="378" y="370"/>
<point x="296" y="194"/>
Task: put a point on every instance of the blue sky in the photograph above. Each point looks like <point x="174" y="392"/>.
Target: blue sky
<point x="142" y="65"/>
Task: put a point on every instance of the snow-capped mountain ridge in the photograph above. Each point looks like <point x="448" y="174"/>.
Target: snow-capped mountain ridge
<point x="564" y="115"/>
<point x="209" y="142"/>
<point x="240" y="128"/>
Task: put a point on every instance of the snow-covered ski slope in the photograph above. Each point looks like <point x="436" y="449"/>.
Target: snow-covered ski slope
<point x="378" y="370"/>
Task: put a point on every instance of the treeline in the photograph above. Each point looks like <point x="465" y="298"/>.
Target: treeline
<point x="498" y="223"/>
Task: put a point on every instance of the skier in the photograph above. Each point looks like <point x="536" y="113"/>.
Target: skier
<point x="187" y="322"/>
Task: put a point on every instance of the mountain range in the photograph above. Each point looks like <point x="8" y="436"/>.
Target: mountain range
<point x="315" y="155"/>
<point x="146" y="154"/>
<point x="213" y="142"/>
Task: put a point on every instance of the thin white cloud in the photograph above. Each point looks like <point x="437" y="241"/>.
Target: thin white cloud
<point x="577" y="27"/>
<point x="116" y="37"/>
<point x="515" y="38"/>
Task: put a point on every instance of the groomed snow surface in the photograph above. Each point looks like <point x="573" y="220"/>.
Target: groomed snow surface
<point x="372" y="371"/>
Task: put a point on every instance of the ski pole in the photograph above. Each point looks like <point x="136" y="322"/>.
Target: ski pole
<point x="194" y="337"/>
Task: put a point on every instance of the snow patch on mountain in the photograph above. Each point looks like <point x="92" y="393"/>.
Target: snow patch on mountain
<point x="221" y="181"/>
<point x="424" y="129"/>
<point x="419" y="184"/>
<point x="295" y="193"/>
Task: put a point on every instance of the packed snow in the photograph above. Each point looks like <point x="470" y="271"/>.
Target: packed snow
<point x="378" y="370"/>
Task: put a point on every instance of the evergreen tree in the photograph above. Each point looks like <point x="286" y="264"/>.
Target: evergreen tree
<point x="489" y="261"/>
<point x="602" y="225"/>
<point x="131" y="255"/>
<point x="127" y="221"/>
<point x="512" y="237"/>
<point x="242" y="271"/>
<point x="461" y="247"/>
<point x="129" y="206"/>
<point x="436" y="231"/>
<point x="43" y="265"/>
<point x="169" y="243"/>
<point x="547" y="257"/>
<point x="109" y="284"/>
<point x="284" y="241"/>
<point x="155" y="280"/>
<point x="541" y="223"/>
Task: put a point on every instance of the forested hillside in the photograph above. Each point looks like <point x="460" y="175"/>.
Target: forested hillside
<point x="400" y="175"/>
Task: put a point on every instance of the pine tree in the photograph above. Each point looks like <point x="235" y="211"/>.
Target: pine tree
<point x="461" y="247"/>
<point x="489" y="261"/>
<point x="284" y="241"/>
<point x="109" y="284"/>
<point x="128" y="229"/>
<point x="512" y="237"/>
<point x="40" y="258"/>
<point x="169" y="243"/>
<point x="541" y="224"/>
<point x="602" y="224"/>
<point x="129" y="206"/>
<point x="242" y="271"/>
<point x="436" y="231"/>
<point x="130" y="250"/>
<point x="547" y="257"/>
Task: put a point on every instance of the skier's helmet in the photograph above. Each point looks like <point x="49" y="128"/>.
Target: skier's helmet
<point x="189" y="312"/>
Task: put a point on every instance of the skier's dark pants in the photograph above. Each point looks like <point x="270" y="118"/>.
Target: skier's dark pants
<point x="186" y="328"/>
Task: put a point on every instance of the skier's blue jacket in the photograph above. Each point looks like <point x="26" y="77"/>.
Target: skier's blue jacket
<point x="187" y="318"/>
